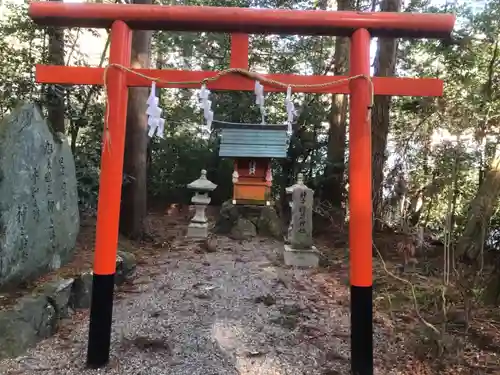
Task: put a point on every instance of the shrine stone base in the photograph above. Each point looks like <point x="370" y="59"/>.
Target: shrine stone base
<point x="197" y="230"/>
<point x="301" y="258"/>
<point x="242" y="222"/>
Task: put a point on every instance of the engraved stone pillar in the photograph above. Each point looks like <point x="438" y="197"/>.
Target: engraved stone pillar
<point x="299" y="250"/>
<point x="198" y="227"/>
<point x="289" y="190"/>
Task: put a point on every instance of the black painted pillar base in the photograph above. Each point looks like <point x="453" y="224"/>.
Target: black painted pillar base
<point x="101" y="316"/>
<point x="361" y="330"/>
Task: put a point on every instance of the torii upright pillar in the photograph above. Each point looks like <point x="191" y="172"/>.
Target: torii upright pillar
<point x="359" y="26"/>
<point x="360" y="205"/>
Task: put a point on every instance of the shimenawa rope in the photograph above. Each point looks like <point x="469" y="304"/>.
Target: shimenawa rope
<point x="246" y="73"/>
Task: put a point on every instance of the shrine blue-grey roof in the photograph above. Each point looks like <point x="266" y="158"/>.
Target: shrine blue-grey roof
<point x="257" y="143"/>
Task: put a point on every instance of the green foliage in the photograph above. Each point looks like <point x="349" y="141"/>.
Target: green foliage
<point x="439" y="168"/>
<point x="87" y="160"/>
<point x="21" y="46"/>
<point x="178" y="160"/>
<point x="465" y="114"/>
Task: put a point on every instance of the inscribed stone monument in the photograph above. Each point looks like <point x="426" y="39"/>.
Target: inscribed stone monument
<point x="289" y="190"/>
<point x="39" y="217"/>
<point x="299" y="251"/>
<point x="301" y="236"/>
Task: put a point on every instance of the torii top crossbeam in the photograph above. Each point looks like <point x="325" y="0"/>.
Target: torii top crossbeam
<point x="244" y="20"/>
<point x="360" y="27"/>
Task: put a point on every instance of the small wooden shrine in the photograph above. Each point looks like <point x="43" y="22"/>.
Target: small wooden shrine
<point x="252" y="147"/>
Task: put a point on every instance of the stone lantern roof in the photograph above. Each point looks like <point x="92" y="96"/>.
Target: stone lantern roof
<point x="202" y="184"/>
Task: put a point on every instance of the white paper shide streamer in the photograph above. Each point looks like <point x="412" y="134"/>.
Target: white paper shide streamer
<point x="206" y="105"/>
<point x="259" y="100"/>
<point x="156" y="123"/>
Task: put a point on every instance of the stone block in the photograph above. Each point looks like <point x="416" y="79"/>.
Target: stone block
<point x="37" y="316"/>
<point x="58" y="293"/>
<point x="197" y="230"/>
<point x="125" y="266"/>
<point x="245" y="221"/>
<point x="301" y="257"/>
<point x="33" y="318"/>
<point x="81" y="291"/>
<point x="243" y="229"/>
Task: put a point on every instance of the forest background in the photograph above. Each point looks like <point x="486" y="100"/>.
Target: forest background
<point x="436" y="172"/>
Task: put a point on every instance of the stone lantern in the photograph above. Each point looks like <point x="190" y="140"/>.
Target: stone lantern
<point x="198" y="227"/>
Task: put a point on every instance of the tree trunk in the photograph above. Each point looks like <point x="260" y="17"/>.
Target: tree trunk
<point x="481" y="209"/>
<point x="55" y="98"/>
<point x="385" y="65"/>
<point x="471" y="243"/>
<point x="134" y="192"/>
<point x="470" y="246"/>
<point x="486" y="154"/>
<point x="333" y="186"/>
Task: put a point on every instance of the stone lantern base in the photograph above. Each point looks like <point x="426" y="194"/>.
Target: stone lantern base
<point x="197" y="230"/>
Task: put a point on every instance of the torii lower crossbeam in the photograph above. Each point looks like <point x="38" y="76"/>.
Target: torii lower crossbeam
<point x="360" y="27"/>
<point x="77" y="75"/>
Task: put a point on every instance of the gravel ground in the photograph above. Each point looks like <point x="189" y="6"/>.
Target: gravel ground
<point x="233" y="311"/>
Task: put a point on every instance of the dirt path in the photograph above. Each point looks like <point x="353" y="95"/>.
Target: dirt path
<point x="234" y="311"/>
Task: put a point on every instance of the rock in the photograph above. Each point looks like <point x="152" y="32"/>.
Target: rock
<point x="244" y="229"/>
<point x="125" y="266"/>
<point x="58" y="293"/>
<point x="286" y="321"/>
<point x="81" y="291"/>
<point x="40" y="313"/>
<point x="39" y="218"/>
<point x="292" y="309"/>
<point x="203" y="295"/>
<point x="267" y="300"/>
<point x="37" y="316"/>
<point x="227" y="218"/>
<point x="251" y="213"/>
<point x="150" y="344"/>
<point x="209" y="245"/>
<point x="32" y="319"/>
<point x="254" y="353"/>
<point x="269" y="223"/>
<point x="264" y="219"/>
<point x="15" y="334"/>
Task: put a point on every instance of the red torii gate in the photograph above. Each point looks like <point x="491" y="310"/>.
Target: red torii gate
<point x="360" y="27"/>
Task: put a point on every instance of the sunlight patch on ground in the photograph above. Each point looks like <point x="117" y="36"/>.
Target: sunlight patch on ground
<point x="230" y="337"/>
